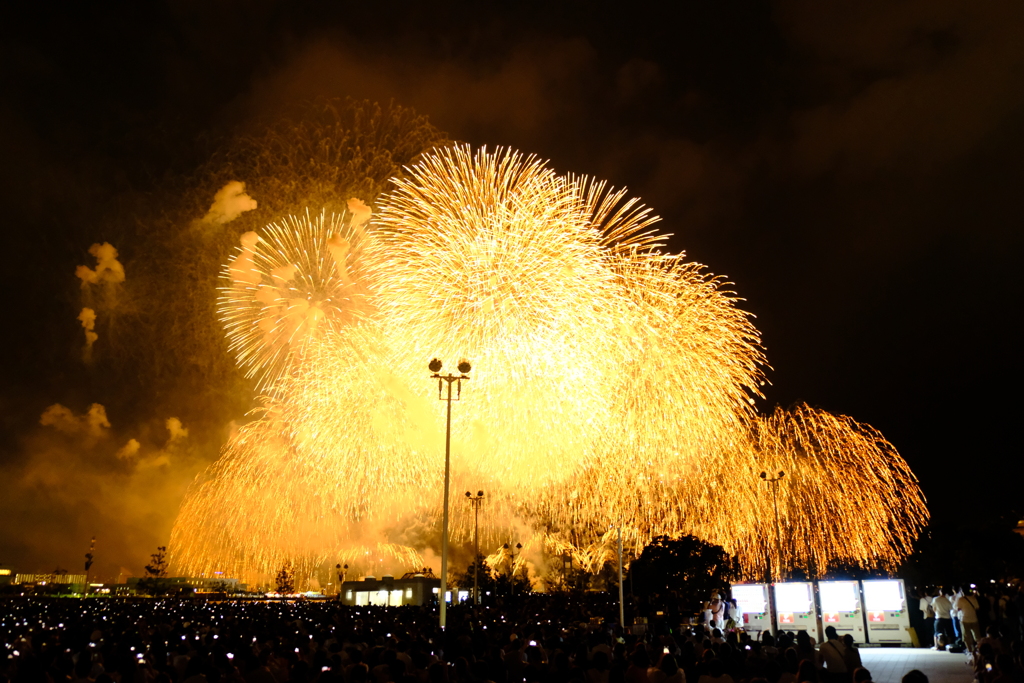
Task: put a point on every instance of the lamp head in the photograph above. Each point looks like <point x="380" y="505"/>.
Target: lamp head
<point x="505" y="546"/>
<point x="468" y="494"/>
<point x="764" y="475"/>
<point x="435" y="365"/>
<point x="519" y="546"/>
<point x="781" y="474"/>
<point x="337" y="566"/>
<point x="464" y="366"/>
<point x="480" y="493"/>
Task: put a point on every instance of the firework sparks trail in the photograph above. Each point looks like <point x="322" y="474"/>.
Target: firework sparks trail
<point x="297" y="283"/>
<point x="612" y="382"/>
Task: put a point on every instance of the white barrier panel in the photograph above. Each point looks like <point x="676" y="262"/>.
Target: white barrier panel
<point x="794" y="607"/>
<point x="752" y="601"/>
<point x="885" y="605"/>
<point x="840" y="607"/>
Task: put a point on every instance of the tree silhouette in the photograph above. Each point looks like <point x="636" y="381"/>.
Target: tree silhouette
<point x="686" y="566"/>
<point x="497" y="584"/>
<point x="157" y="567"/>
<point x="286" y="579"/>
<point x="156" y="572"/>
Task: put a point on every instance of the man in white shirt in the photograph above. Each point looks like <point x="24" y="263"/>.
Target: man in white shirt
<point x="832" y="656"/>
<point x="966" y="606"/>
<point x="943" y="619"/>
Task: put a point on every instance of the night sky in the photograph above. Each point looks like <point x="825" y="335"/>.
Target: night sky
<point x="854" y="168"/>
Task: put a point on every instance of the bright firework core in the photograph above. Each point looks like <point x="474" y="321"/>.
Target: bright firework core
<point x="613" y="383"/>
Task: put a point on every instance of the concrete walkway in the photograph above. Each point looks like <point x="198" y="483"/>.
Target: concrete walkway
<point x="888" y="664"/>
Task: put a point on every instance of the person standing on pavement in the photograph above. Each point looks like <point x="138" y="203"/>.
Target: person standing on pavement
<point x="928" y="626"/>
<point x="943" y="620"/>
<point x="966" y="607"/>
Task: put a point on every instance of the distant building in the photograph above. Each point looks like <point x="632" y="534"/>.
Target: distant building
<point x="411" y="589"/>
<point x="46" y="579"/>
<point x="199" y="584"/>
<point x="112" y="590"/>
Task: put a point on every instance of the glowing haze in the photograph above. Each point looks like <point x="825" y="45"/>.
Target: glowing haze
<point x="612" y="383"/>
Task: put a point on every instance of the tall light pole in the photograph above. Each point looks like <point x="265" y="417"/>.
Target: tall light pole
<point x="342" y="573"/>
<point x="773" y="484"/>
<point x="449" y="379"/>
<point x="476" y="501"/>
<point x="622" y="608"/>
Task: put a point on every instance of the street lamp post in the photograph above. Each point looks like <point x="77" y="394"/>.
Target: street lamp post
<point x="449" y="379"/>
<point x="476" y="501"/>
<point x="622" y="608"/>
<point x="342" y="573"/>
<point x="773" y="484"/>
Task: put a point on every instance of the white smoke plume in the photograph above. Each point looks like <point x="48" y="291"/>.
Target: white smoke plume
<point x="360" y="212"/>
<point x="108" y="269"/>
<point x="229" y="203"/>
<point x="88" y="319"/>
<point x="93" y="423"/>
<point x="242" y="267"/>
<point x="129" y="450"/>
<point x="176" y="430"/>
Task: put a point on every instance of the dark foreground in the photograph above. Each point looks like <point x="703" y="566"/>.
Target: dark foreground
<point x="542" y="638"/>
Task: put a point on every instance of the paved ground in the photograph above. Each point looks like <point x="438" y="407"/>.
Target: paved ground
<point x="888" y="664"/>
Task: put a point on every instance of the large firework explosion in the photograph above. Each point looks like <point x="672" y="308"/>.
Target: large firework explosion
<point x="613" y="383"/>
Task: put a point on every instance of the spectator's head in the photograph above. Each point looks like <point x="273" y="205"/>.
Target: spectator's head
<point x="914" y="676"/>
<point x="831" y="633"/>
<point x="437" y="673"/>
<point x="807" y="672"/>
<point x="83" y="667"/>
<point x="848" y="640"/>
<point x="861" y="675"/>
<point x="716" y="668"/>
<point x="640" y="659"/>
<point x="767" y="638"/>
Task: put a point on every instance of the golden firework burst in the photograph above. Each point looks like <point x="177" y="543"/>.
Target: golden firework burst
<point x="613" y="382"/>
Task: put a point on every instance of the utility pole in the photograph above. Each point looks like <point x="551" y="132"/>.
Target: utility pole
<point x="449" y="379"/>
<point x="476" y="501"/>
<point x="773" y="484"/>
<point x="622" y="608"/>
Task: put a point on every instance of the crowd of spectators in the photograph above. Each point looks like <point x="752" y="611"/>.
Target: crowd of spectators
<point x="541" y="638"/>
<point x="986" y="624"/>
